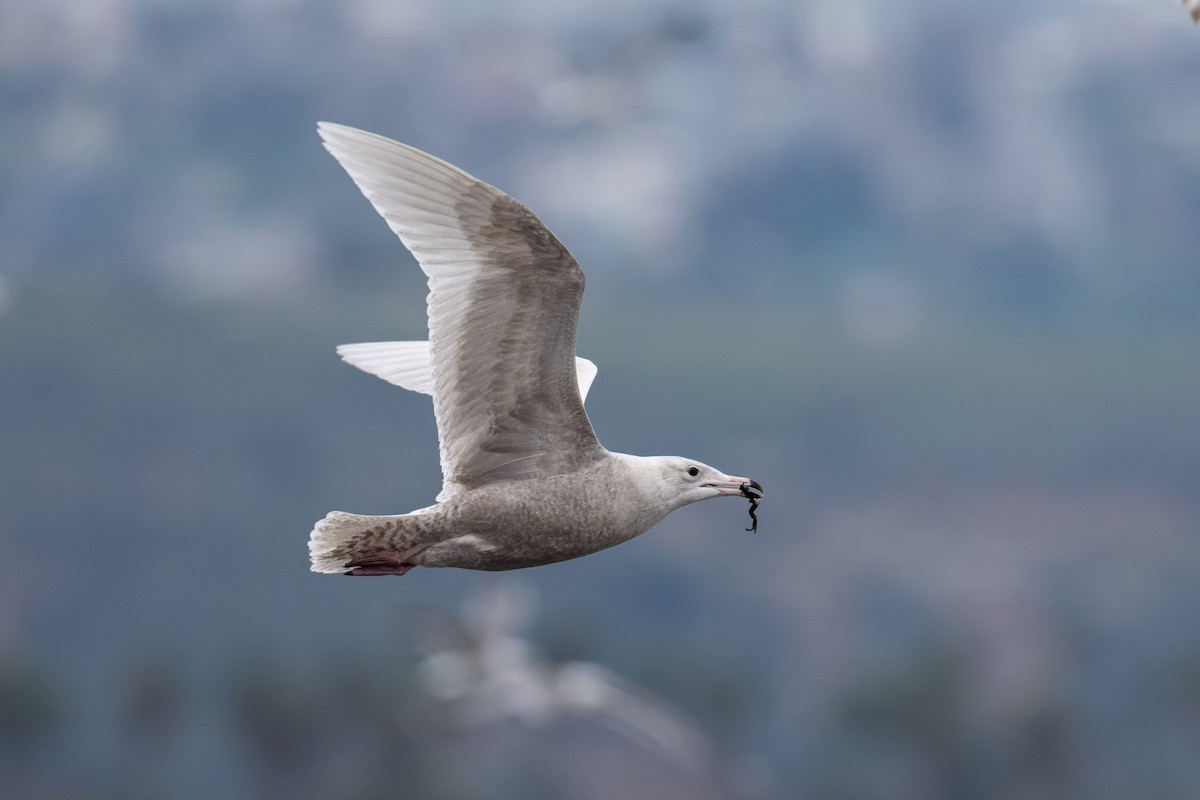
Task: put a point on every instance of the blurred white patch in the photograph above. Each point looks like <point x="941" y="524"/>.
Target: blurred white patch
<point x="202" y="247"/>
<point x="840" y="32"/>
<point x="385" y="20"/>
<point x="90" y="39"/>
<point x="632" y="189"/>
<point x="571" y="100"/>
<point x="1193" y="7"/>
<point x="241" y="259"/>
<point x="879" y="310"/>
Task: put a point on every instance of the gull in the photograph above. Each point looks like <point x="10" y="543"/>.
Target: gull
<point x="483" y="672"/>
<point x="525" y="481"/>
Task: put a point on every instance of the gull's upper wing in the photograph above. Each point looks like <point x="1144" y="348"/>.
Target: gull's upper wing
<point x="409" y="365"/>
<point x="503" y="303"/>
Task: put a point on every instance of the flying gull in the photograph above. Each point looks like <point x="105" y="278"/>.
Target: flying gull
<point x="525" y="482"/>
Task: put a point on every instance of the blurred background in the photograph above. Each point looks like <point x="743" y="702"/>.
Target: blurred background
<point x="929" y="271"/>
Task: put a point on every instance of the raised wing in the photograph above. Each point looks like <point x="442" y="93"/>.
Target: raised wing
<point x="503" y="303"/>
<point x="409" y="365"/>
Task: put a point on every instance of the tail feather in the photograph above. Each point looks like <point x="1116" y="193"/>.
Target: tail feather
<point x="359" y="544"/>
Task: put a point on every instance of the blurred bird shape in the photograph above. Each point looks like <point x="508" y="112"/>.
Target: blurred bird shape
<point x="485" y="672"/>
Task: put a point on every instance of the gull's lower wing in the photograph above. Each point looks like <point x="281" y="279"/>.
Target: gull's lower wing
<point x="409" y="365"/>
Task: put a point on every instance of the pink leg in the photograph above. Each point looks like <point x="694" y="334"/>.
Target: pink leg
<point x="381" y="564"/>
<point x="398" y="569"/>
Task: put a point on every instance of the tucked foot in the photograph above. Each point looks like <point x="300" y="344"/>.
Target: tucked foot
<point x="378" y="565"/>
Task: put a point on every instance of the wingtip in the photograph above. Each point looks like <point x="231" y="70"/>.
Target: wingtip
<point x="345" y="140"/>
<point x="327" y="130"/>
<point x="334" y="133"/>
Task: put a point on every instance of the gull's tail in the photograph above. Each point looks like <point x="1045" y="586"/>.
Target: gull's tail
<point x="357" y="544"/>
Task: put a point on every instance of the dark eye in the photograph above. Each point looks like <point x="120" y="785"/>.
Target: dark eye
<point x="693" y="471"/>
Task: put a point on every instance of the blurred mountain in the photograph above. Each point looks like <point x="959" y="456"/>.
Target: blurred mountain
<point x="1036" y="159"/>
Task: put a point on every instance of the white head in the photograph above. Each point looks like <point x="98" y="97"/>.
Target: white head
<point x="685" y="480"/>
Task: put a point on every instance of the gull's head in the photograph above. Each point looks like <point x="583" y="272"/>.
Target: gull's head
<point x="686" y="480"/>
